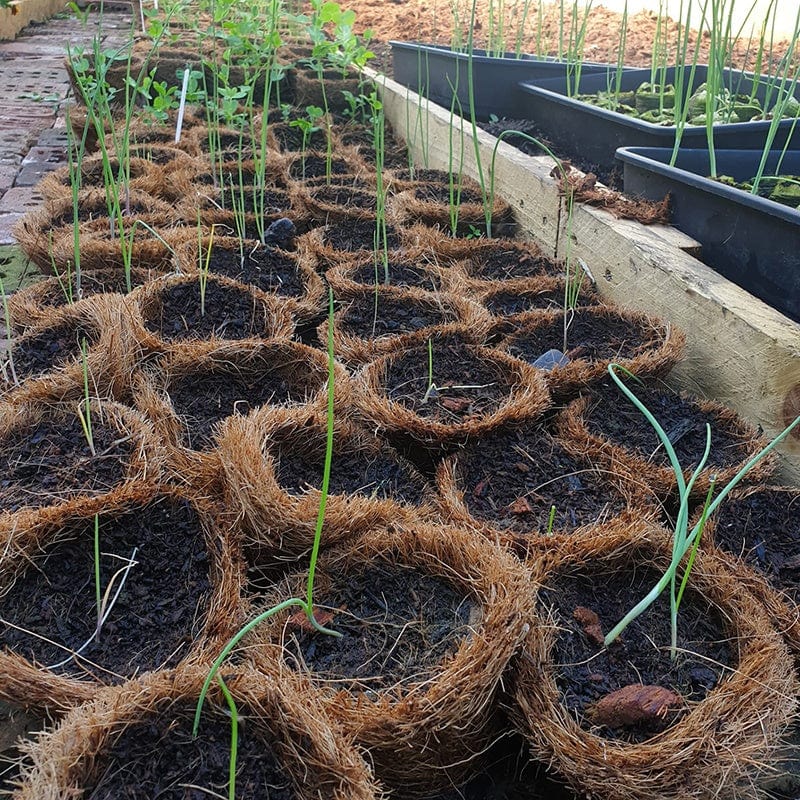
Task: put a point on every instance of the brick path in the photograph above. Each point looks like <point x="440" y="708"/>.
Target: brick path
<point x="34" y="93"/>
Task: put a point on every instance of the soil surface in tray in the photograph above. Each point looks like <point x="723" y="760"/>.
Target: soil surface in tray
<point x="52" y="347"/>
<point x="315" y="166"/>
<point x="509" y="775"/>
<point x="506" y="263"/>
<point x="435" y="192"/>
<point x="590" y="337"/>
<point x="344" y="196"/>
<point x="203" y="398"/>
<point x="230" y="313"/>
<point x="160" y="759"/>
<point x="504" y="303"/>
<point x="270" y="202"/>
<point x="764" y="529"/>
<point x="153" y="620"/>
<point x="351" y="234"/>
<point x="585" y="673"/>
<point x="401" y="273"/>
<point x="376" y="474"/>
<point x="395" y="316"/>
<point x="265" y="267"/>
<point x="291" y="138"/>
<point x="398" y="625"/>
<point x="50" y="461"/>
<point x="514" y="479"/>
<point x="467" y="385"/>
<point x="93" y="282"/>
<point x="612" y="416"/>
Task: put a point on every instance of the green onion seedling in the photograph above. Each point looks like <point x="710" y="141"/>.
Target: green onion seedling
<point x="84" y="406"/>
<point x="305" y="603"/>
<point x="684" y="538"/>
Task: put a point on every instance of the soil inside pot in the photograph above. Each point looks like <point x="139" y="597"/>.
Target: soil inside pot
<point x="401" y="273"/>
<point x="351" y="234"/>
<point x="376" y="474"/>
<point x="290" y="138"/>
<point x="466" y="383"/>
<point x="506" y="263"/>
<point x="611" y="415"/>
<point x="585" y="672"/>
<point x="397" y="626"/>
<point x="50" y="461"/>
<point x="316" y="166"/>
<point x="505" y="303"/>
<point x="764" y="529"/>
<point x="161" y="759"/>
<point x="344" y="196"/>
<point x="154" y="619"/>
<point x="93" y="282"/>
<point x="395" y="315"/>
<point x="435" y="192"/>
<point x="265" y="267"/>
<point x="516" y="478"/>
<point x="204" y="397"/>
<point x="268" y="202"/>
<point x="590" y="337"/>
<point x="52" y="347"/>
<point x="230" y="313"/>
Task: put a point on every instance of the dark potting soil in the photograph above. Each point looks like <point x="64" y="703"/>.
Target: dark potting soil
<point x="506" y="263"/>
<point x="764" y="529"/>
<point x="93" y="173"/>
<point x="504" y="304"/>
<point x="93" y="282"/>
<point x="153" y="136"/>
<point x="98" y="211"/>
<point x="590" y="337"/>
<point x="50" y="462"/>
<point x="230" y="313"/>
<point x="426" y="175"/>
<point x="158" y="612"/>
<point x="268" y="202"/>
<point x="316" y="166"/>
<point x="395" y="316"/>
<point x="203" y="398"/>
<point x="611" y="415"/>
<point x="397" y="626"/>
<point x="585" y="672"/>
<point x="514" y="478"/>
<point x="160" y="758"/>
<point x="344" y="196"/>
<point x="435" y="192"/>
<point x="223" y="141"/>
<point x="265" y="267"/>
<point x="351" y="234"/>
<point x="509" y="775"/>
<point x="290" y="138"/>
<point x="467" y="384"/>
<point x="156" y="154"/>
<point x="374" y="473"/>
<point x="401" y="273"/>
<point x="52" y="347"/>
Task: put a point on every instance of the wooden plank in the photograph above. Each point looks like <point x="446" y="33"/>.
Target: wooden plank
<point x="739" y="350"/>
<point x="22" y="12"/>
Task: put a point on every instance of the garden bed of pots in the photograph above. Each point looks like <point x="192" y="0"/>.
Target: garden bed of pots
<point x="180" y="452"/>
